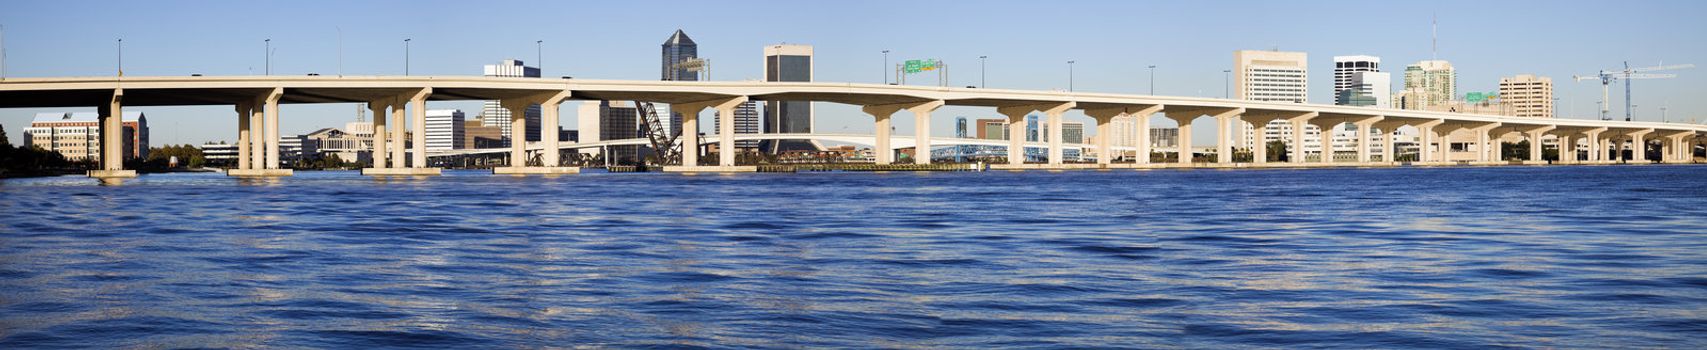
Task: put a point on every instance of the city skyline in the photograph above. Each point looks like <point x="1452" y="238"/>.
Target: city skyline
<point x="1028" y="57"/>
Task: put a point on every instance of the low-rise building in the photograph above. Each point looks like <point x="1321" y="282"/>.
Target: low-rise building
<point x="77" y="135"/>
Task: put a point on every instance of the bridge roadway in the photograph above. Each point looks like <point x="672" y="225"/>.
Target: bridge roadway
<point x="256" y="100"/>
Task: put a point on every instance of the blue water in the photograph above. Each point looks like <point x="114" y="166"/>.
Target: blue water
<point x="1520" y="257"/>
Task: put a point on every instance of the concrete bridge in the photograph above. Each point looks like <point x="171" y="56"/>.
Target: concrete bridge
<point x="256" y="100"/>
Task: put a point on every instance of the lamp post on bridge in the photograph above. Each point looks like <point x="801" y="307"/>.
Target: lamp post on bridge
<point x="1070" y="75"/>
<point x="885" y="67"/>
<point x="121" y="57"/>
<point x="981" y="80"/>
<point x="539" y="56"/>
<point x="1152" y="80"/>
<point x="267" y="51"/>
<point x="1226" y="81"/>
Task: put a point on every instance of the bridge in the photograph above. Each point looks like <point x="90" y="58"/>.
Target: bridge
<point x="256" y="99"/>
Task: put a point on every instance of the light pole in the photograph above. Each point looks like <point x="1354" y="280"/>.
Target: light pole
<point x="1226" y="81"/>
<point x="406" y="57"/>
<point x="885" y="67"/>
<point x="1070" y="75"/>
<point x="539" y="56"/>
<point x="1152" y="80"/>
<point x="981" y="80"/>
<point x="340" y="51"/>
<point x="121" y="57"/>
<point x="267" y="51"/>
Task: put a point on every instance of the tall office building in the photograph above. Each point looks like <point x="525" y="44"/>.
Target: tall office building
<point x="1528" y="95"/>
<point x="677" y="49"/>
<point x="608" y="121"/>
<point x="495" y="115"/>
<point x="1431" y="83"/>
<point x="960" y="127"/>
<point x="77" y="135"/>
<point x="1370" y="89"/>
<point x="788" y="63"/>
<point x="445" y="130"/>
<point x="1345" y="66"/>
<point x="1274" y="76"/>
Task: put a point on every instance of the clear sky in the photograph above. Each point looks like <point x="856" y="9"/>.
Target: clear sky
<point x="1028" y="42"/>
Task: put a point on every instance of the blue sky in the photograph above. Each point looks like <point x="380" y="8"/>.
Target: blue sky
<point x="1028" y="43"/>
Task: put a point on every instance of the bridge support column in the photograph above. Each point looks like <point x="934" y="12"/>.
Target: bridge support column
<point x="1387" y="127"/>
<point x="111" y="123"/>
<point x="1297" y="145"/>
<point x="1143" y="134"/>
<point x="1639" y="146"/>
<point x="1053" y="119"/>
<point x="881" y="151"/>
<point x="418" y="156"/>
<point x="1103" y="117"/>
<point x="257" y="145"/>
<point x="381" y="136"/>
<point x="1567" y="149"/>
<point x="1183" y="142"/>
<point x="1534" y="136"/>
<point x="272" y="127"/>
<point x="1224" y="138"/>
<point x="399" y="129"/>
<point x="1364" y="128"/>
<point x="690" y="136"/>
<point x="1487" y="146"/>
<point x="1016" y="126"/>
<point x="922" y="130"/>
<point x="244" y="154"/>
<point x="265" y="142"/>
<point x="1426" y="151"/>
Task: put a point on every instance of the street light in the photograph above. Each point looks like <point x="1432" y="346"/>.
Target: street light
<point x="1226" y="80"/>
<point x="1152" y="80"/>
<point x="539" y="56"/>
<point x="1069" y="74"/>
<point x="981" y="80"/>
<point x="406" y="57"/>
<point x="268" y="53"/>
<point x="121" y="57"/>
<point x="885" y="67"/>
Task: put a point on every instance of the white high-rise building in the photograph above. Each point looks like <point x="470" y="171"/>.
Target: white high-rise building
<point x="444" y="130"/>
<point x="1346" y="66"/>
<point x="1376" y="85"/>
<point x="1528" y="95"/>
<point x="1275" y="76"/>
<point x="495" y="115"/>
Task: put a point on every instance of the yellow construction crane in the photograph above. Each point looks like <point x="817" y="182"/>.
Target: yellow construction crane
<point x="1607" y="76"/>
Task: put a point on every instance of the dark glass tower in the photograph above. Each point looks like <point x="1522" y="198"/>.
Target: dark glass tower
<point x="788" y="63"/>
<point x="677" y="49"/>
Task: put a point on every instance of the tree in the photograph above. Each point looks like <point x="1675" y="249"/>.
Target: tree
<point x="1277" y="151"/>
<point x="3" y="141"/>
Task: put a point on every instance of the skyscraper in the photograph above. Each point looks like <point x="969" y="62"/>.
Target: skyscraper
<point x="1428" y="84"/>
<point x="1346" y="66"/>
<point x="746" y="122"/>
<point x="1528" y="95"/>
<point x="445" y="130"/>
<point x="1271" y="76"/>
<point x="788" y="63"/>
<point x="678" y="49"/>
<point x="495" y="115"/>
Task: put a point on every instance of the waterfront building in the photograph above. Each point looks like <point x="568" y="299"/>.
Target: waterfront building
<point x="77" y="135"/>
<point x="1272" y="76"/>
<point x="476" y="134"/>
<point x="788" y="63"/>
<point x="219" y="154"/>
<point x="1528" y="95"/>
<point x="347" y="146"/>
<point x="494" y="114"/>
<point x="445" y="130"/>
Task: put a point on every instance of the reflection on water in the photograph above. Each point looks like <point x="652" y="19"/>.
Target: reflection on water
<point x="1347" y="258"/>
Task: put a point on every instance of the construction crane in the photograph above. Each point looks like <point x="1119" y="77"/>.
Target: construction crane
<point x="1607" y="76"/>
<point x="665" y="151"/>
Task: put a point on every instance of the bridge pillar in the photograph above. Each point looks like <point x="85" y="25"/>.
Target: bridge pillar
<point x="1103" y="117"/>
<point x="1487" y="146"/>
<point x="1567" y="149"/>
<point x="1224" y="121"/>
<point x="1016" y="127"/>
<point x="922" y="130"/>
<point x="257" y="136"/>
<point x="1534" y="136"/>
<point x="381" y="138"/>
<point x="111" y="123"/>
<point x="1183" y="118"/>
<point x="1387" y="127"/>
<point x="1365" y="127"/>
<point x="243" y="135"/>
<point x="1426" y="151"/>
<point x="399" y="128"/>
<point x="881" y="151"/>
<point x="690" y="134"/>
<point x="272" y="128"/>
<point x="1639" y="146"/>
<point x="518" y="132"/>
<point x="418" y="156"/>
<point x="1143" y="133"/>
<point x="1297" y="145"/>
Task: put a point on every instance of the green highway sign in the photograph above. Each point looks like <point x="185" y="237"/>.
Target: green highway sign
<point x="916" y="66"/>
